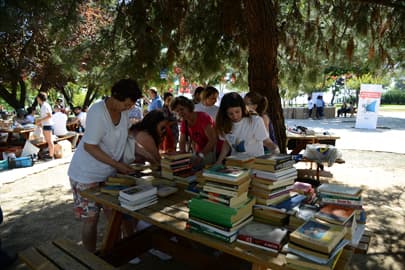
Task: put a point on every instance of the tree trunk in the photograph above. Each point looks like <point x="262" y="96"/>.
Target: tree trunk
<point x="261" y="18"/>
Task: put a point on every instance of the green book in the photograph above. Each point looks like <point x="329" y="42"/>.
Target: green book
<point x="219" y="213"/>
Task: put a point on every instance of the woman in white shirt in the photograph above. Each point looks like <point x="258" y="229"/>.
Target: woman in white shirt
<point x="45" y="120"/>
<point x="241" y="131"/>
<point x="100" y="152"/>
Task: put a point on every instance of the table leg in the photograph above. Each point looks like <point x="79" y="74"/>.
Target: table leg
<point x="112" y="233"/>
<point x="256" y="266"/>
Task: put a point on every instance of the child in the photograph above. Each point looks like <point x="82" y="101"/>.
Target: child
<point x="242" y="132"/>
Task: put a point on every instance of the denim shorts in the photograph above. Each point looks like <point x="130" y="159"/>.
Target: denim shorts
<point x="45" y="128"/>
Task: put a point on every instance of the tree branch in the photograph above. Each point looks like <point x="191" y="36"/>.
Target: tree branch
<point x="387" y="3"/>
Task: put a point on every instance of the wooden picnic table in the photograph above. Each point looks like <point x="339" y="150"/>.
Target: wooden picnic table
<point x="25" y="132"/>
<point x="170" y="215"/>
<point x="298" y="142"/>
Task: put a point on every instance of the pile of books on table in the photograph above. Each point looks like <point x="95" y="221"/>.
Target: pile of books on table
<point x="343" y="205"/>
<point x="175" y="163"/>
<point x="316" y="245"/>
<point x="240" y="160"/>
<point x="223" y="206"/>
<point x="114" y="185"/>
<point x="138" y="197"/>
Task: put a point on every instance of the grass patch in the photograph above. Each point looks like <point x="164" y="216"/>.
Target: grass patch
<point x="392" y="108"/>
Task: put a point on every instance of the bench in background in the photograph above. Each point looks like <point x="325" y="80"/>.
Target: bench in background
<point x="62" y="254"/>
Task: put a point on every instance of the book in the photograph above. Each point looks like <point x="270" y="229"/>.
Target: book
<point x="194" y="227"/>
<point x="139" y="206"/>
<point x="273" y="168"/>
<point x="272" y="159"/>
<point x="240" y="158"/>
<point x="176" y="155"/>
<point x="298" y="262"/>
<point x="224" y="199"/>
<point x="318" y="235"/>
<point x="263" y="234"/>
<point x="226" y="172"/>
<point x="136" y="202"/>
<point x="278" y="175"/>
<point x="269" y="194"/>
<point x="269" y="185"/>
<point x="112" y="189"/>
<point x="335" y="214"/>
<point x="236" y="226"/>
<point x="289" y="204"/>
<point x="340" y="190"/>
<point x="137" y="192"/>
<point x="219" y="213"/>
<point x="169" y="162"/>
<point x="124" y="181"/>
<point x="257" y="246"/>
<point x="216" y="188"/>
<point x="272" y="201"/>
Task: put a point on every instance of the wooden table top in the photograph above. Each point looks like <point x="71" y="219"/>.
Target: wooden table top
<point x="171" y="214"/>
<point x="317" y="136"/>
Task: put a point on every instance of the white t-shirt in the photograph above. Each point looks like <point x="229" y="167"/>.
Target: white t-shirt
<point x="84" y="168"/>
<point x="82" y="118"/>
<point x="310" y="104"/>
<point x="248" y="135"/>
<point x="210" y="110"/>
<point x="59" y="123"/>
<point x="45" y="109"/>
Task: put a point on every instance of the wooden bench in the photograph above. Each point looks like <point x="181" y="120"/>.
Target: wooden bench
<point x="62" y="254"/>
<point x="44" y="144"/>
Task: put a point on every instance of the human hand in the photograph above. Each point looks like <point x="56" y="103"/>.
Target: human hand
<point x="124" y="168"/>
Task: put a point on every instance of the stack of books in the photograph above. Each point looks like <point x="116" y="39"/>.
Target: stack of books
<point x="114" y="185"/>
<point x="240" y="160"/>
<point x="272" y="178"/>
<point x="301" y="214"/>
<point x="262" y="236"/>
<point x="138" y="197"/>
<point x="343" y="205"/>
<point x="223" y="206"/>
<point x="175" y="163"/>
<point x="316" y="245"/>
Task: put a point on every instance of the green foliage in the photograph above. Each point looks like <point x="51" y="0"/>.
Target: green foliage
<point x="393" y="97"/>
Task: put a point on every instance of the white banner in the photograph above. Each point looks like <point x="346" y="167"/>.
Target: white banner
<point x="369" y="102"/>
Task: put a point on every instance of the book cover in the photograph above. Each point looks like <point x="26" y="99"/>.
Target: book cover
<point x="318" y="235"/>
<point x="263" y="234"/>
<point x="176" y="155"/>
<point x="138" y="192"/>
<point x="226" y="172"/>
<point x="340" y="189"/>
<point x="272" y="159"/>
<point x="224" y="199"/>
<point x="273" y="168"/>
<point x="288" y="204"/>
<point x="219" y="213"/>
<point x="335" y="214"/>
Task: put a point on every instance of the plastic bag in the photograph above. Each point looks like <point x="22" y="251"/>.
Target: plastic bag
<point x="29" y="149"/>
<point x="38" y="135"/>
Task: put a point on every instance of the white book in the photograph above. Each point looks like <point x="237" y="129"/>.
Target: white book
<point x="136" y="202"/>
<point x="280" y="175"/>
<point x="138" y="192"/>
<point x="139" y="206"/>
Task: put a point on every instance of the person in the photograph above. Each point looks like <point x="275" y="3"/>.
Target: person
<point x="59" y="101"/>
<point x="20" y="117"/>
<point x="310" y="106"/>
<point x="208" y="99"/>
<point x="197" y="94"/>
<point x="241" y="131"/>
<point x="257" y="104"/>
<point x="320" y="104"/>
<point x="60" y="119"/>
<point x="45" y="120"/>
<point x="148" y="135"/>
<point x="343" y="110"/>
<point x="197" y="132"/>
<point x="30" y="116"/>
<point x="99" y="153"/>
<point x="171" y="139"/>
<point x="80" y="119"/>
<point x="135" y="114"/>
<point x="155" y="102"/>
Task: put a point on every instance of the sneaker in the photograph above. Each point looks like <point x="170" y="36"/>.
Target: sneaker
<point x="161" y="255"/>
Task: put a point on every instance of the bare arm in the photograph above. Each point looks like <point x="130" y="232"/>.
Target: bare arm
<point x="271" y="146"/>
<point x="146" y="147"/>
<point x="100" y="155"/>
<point x="182" y="142"/>
<point x="224" y="151"/>
<point x="212" y="139"/>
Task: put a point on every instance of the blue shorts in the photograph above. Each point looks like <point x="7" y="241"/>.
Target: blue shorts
<point x="50" y="128"/>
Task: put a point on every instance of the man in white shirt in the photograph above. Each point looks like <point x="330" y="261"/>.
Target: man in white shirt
<point x="80" y="119"/>
<point x="59" y="127"/>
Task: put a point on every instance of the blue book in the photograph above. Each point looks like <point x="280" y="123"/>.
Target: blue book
<point x="291" y="202"/>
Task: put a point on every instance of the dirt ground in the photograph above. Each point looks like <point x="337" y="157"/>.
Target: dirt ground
<point x="38" y="208"/>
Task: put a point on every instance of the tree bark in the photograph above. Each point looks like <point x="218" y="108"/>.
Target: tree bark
<point x="262" y="63"/>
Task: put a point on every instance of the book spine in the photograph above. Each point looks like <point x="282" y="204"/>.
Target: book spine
<point x="220" y="191"/>
<point x="341" y="201"/>
<point x="259" y="242"/>
<point x="200" y="229"/>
